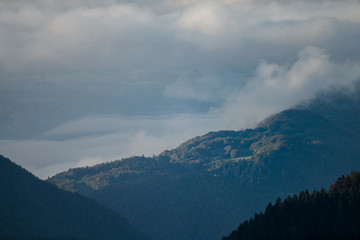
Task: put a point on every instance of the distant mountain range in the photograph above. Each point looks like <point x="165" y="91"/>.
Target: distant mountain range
<point x="320" y="215"/>
<point x="209" y="184"/>
<point x="34" y="209"/>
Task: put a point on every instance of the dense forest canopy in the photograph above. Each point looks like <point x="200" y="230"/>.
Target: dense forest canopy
<point x="333" y="214"/>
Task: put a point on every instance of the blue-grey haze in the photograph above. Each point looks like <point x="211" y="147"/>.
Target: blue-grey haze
<point x="87" y="82"/>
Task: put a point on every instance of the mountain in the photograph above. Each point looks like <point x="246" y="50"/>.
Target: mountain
<point x="166" y="202"/>
<point x="321" y="215"/>
<point x="34" y="209"/>
<point x="204" y="188"/>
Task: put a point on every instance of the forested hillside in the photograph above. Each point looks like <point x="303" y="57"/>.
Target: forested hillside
<point x="320" y="215"/>
<point x="204" y="188"/>
<point x="34" y="209"/>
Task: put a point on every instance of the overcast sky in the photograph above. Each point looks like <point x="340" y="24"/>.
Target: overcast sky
<point x="84" y="82"/>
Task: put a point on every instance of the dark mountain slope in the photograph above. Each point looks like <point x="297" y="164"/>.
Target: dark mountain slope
<point x="177" y="206"/>
<point x="305" y="147"/>
<point x="321" y="215"/>
<point x="167" y="200"/>
<point x="34" y="209"/>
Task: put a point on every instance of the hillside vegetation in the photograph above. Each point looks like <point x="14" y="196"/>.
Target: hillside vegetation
<point x="204" y="188"/>
<point x="320" y="215"/>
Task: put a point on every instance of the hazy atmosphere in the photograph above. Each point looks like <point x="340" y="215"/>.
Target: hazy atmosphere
<point x="84" y="82"/>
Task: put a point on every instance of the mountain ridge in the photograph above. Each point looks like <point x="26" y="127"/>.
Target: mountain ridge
<point x="31" y="208"/>
<point x="307" y="146"/>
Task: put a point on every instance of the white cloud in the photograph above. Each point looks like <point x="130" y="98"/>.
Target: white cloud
<point x="236" y="59"/>
<point x="278" y="87"/>
<point x="70" y="36"/>
<point x="202" y="18"/>
<point x="96" y="139"/>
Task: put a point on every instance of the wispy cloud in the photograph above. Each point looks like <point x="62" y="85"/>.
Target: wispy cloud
<point x="97" y="139"/>
<point x="123" y="35"/>
<point x="277" y="87"/>
<point x="87" y="82"/>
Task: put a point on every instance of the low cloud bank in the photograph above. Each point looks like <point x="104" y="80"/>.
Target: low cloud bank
<point x="95" y="139"/>
<point x="83" y="83"/>
<point x="277" y="87"/>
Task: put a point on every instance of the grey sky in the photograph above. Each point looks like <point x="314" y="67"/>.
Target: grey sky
<point x="83" y="82"/>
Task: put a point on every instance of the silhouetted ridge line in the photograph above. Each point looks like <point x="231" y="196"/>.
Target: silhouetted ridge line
<point x="34" y="209"/>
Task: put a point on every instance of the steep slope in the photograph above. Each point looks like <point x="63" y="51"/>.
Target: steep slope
<point x="176" y="207"/>
<point x="219" y="178"/>
<point x="34" y="209"/>
<point x="166" y="200"/>
<point x="321" y="215"/>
